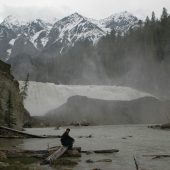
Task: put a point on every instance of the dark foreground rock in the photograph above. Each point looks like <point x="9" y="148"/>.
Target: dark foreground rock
<point x="163" y="126"/>
<point x="9" y="90"/>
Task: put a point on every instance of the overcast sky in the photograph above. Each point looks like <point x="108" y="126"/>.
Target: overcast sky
<point x="97" y="9"/>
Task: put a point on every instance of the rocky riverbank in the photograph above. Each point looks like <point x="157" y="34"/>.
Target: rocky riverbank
<point x="14" y="158"/>
<point x="10" y="99"/>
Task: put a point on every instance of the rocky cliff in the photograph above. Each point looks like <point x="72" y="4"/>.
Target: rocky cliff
<point x="10" y="99"/>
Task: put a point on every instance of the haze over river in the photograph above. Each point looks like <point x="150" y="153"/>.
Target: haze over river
<point x="131" y="140"/>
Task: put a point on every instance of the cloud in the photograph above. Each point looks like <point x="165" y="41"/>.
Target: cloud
<point x="30" y="9"/>
<point x="32" y="12"/>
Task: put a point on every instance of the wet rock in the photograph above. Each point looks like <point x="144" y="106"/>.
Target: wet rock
<point x="104" y="160"/>
<point x="3" y="165"/>
<point x="80" y="136"/>
<point x="89" y="161"/>
<point x="73" y="153"/>
<point x="154" y="126"/>
<point x="88" y="152"/>
<point x="106" y="151"/>
<point x="67" y="162"/>
<point x="90" y="136"/>
<point x="3" y="156"/>
<point x="17" y="162"/>
<point x="165" y="126"/>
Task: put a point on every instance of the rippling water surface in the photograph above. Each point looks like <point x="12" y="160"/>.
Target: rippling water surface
<point x="131" y="140"/>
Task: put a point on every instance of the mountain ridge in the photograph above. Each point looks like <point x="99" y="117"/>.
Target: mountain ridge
<point x="63" y="33"/>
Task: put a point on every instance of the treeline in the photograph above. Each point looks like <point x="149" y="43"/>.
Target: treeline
<point x="140" y="57"/>
<point x="149" y="41"/>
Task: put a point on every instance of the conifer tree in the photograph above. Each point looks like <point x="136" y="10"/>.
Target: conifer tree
<point x="153" y="18"/>
<point x="10" y="119"/>
<point x="24" y="88"/>
<point x="164" y="15"/>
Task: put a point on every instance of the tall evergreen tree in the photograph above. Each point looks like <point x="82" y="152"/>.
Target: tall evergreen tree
<point x="164" y="14"/>
<point x="10" y="119"/>
<point x="24" y="88"/>
<point x="164" y="17"/>
<point x="153" y="18"/>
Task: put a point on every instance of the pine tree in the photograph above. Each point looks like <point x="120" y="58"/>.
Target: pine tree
<point x="10" y="119"/>
<point x="153" y="18"/>
<point x="164" y="17"/>
<point x="24" y="89"/>
<point x="147" y="20"/>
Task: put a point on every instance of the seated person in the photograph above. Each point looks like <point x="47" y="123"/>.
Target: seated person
<point x="66" y="140"/>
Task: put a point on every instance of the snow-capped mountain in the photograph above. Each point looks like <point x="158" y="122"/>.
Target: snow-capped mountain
<point x="119" y="22"/>
<point x="72" y="29"/>
<point x="31" y="33"/>
<point x="13" y="23"/>
<point x="37" y="31"/>
<point x="57" y="35"/>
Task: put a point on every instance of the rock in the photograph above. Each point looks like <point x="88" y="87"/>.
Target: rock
<point x="89" y="161"/>
<point x="154" y="126"/>
<point x="90" y="136"/>
<point x="73" y="153"/>
<point x="80" y="136"/>
<point x="63" y="161"/>
<point x="165" y="126"/>
<point x="17" y="162"/>
<point x="106" y="151"/>
<point x="9" y="90"/>
<point x="3" y="156"/>
<point x="88" y="152"/>
<point x="104" y="160"/>
<point x="96" y="169"/>
<point x="3" y="164"/>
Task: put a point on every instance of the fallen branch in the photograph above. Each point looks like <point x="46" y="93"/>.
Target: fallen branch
<point x="136" y="164"/>
<point x="157" y="156"/>
<point x="102" y="151"/>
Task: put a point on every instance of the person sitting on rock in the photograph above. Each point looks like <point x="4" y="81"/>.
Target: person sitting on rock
<point x="66" y="140"/>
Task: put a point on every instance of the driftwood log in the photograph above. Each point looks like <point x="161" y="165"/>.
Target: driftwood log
<point x="6" y="132"/>
<point x="50" y="155"/>
<point x="55" y="155"/>
<point x="158" y="156"/>
<point x="102" y="151"/>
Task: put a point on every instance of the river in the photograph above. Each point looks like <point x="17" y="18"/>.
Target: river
<point x="131" y="140"/>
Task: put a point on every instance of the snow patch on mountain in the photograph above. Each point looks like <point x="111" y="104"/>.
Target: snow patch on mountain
<point x="9" y="52"/>
<point x="12" y="41"/>
<point x="74" y="28"/>
<point x="122" y="21"/>
<point x="12" y="22"/>
<point x="43" y="97"/>
<point x="57" y="37"/>
<point x="34" y="38"/>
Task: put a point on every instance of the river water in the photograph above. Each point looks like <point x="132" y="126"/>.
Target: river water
<point x="131" y="140"/>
